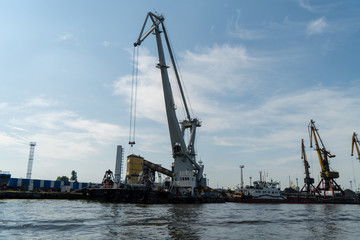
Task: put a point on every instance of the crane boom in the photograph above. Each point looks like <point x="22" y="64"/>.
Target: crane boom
<point x="323" y="154"/>
<point x="303" y="156"/>
<point x="184" y="155"/>
<point x="157" y="20"/>
<point x="356" y="143"/>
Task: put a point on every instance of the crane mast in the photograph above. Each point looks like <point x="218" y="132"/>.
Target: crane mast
<point x="327" y="182"/>
<point x="356" y="143"/>
<point x="308" y="186"/>
<point x="185" y="164"/>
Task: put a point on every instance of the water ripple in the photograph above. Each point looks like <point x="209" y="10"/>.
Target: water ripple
<point x="49" y="219"/>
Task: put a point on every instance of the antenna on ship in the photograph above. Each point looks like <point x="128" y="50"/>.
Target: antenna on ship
<point x="31" y="159"/>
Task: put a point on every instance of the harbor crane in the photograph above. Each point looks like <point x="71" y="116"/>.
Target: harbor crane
<point x="327" y="182"/>
<point x="356" y="143"/>
<point x="308" y="186"/>
<point x="188" y="173"/>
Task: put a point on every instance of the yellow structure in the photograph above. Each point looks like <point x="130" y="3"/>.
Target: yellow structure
<point x="356" y="143"/>
<point x="134" y="168"/>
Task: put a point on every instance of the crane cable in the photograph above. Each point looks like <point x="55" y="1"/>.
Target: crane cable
<point x="134" y="83"/>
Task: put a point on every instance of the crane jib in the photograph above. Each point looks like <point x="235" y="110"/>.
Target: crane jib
<point x="322" y="153"/>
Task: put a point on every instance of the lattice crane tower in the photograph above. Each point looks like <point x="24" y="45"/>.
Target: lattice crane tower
<point x="31" y="159"/>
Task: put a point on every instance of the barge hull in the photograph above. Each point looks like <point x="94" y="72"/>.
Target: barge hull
<point x="145" y="196"/>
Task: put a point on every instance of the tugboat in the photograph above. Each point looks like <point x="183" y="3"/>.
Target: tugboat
<point x="4" y="178"/>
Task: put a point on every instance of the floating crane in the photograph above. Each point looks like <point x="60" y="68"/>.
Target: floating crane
<point x="356" y="143"/>
<point x="188" y="174"/>
<point x="327" y="182"/>
<point x="308" y="186"/>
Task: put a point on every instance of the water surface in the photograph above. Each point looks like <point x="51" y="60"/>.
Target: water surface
<point x="63" y="219"/>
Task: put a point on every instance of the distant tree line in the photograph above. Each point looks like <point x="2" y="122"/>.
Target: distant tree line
<point x="66" y="179"/>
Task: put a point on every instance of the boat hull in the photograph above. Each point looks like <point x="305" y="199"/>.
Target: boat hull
<point x="4" y="179"/>
<point x="255" y="200"/>
<point x="294" y="200"/>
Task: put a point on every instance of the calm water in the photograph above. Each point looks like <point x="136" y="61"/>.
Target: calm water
<point x="62" y="219"/>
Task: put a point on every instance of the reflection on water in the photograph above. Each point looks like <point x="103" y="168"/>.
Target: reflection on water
<point x="183" y="220"/>
<point x="157" y="221"/>
<point x="327" y="221"/>
<point x="49" y="219"/>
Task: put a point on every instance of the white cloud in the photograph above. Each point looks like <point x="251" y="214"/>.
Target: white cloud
<point x="223" y="70"/>
<point x="3" y="105"/>
<point x="149" y="89"/>
<point x="7" y="140"/>
<point x="16" y="128"/>
<point x="245" y="34"/>
<point x="40" y="102"/>
<point x="318" y="8"/>
<point x="47" y="121"/>
<point x="106" y="43"/>
<point x="65" y="36"/>
<point x="68" y="123"/>
<point x="305" y="4"/>
<point x="237" y="30"/>
<point x="217" y="70"/>
<point x="316" y="26"/>
<point x="62" y="133"/>
<point x="102" y="133"/>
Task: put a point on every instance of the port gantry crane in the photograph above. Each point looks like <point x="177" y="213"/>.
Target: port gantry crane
<point x="356" y="143"/>
<point x="308" y="186"/>
<point x="188" y="174"/>
<point x="327" y="182"/>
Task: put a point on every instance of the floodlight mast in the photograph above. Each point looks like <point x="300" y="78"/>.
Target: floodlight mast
<point x="184" y="155"/>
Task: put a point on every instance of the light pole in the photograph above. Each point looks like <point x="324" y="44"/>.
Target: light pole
<point x="241" y="177"/>
<point x="297" y="184"/>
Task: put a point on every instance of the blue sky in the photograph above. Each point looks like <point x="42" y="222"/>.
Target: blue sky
<point x="255" y="72"/>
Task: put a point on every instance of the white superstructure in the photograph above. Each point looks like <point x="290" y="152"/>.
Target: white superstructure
<point x="263" y="190"/>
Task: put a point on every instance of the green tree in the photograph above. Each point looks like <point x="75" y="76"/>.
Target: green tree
<point x="73" y="175"/>
<point x="62" y="178"/>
